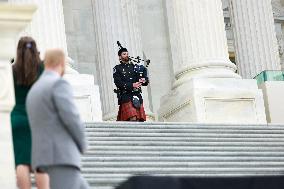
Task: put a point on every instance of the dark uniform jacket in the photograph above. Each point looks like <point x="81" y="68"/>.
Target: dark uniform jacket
<point x="124" y="75"/>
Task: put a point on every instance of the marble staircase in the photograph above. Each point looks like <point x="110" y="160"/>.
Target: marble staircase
<point x="118" y="150"/>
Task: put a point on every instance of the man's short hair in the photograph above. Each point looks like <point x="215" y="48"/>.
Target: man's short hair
<point x="54" y="57"/>
<point x="121" y="51"/>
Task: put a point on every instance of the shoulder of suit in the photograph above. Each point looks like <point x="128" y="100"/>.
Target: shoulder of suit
<point x="61" y="83"/>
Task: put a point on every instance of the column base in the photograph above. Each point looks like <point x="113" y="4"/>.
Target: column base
<point x="273" y="92"/>
<point x="214" y="100"/>
<point x="87" y="96"/>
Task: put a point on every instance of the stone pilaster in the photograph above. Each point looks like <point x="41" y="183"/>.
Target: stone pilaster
<point x="13" y="19"/>
<point x="206" y="88"/>
<point x="115" y="21"/>
<point x="255" y="38"/>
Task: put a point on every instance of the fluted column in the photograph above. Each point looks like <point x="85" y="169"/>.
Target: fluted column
<point x="255" y="38"/>
<point x="12" y="20"/>
<point x="115" y="21"/>
<point x="198" y="40"/>
<point x="206" y="88"/>
<point x="47" y="26"/>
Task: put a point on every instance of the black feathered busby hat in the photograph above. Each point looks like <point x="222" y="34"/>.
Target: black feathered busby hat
<point x="121" y="51"/>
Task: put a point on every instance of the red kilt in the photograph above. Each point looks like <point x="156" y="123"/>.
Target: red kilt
<point x="127" y="110"/>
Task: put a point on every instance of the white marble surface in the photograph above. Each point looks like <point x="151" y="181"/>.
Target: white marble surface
<point x="206" y="89"/>
<point x="155" y="44"/>
<point x="12" y="20"/>
<point x="79" y="21"/>
<point x="273" y="93"/>
<point x="215" y="100"/>
<point x="198" y="41"/>
<point x="115" y="21"/>
<point x="48" y="29"/>
<point x="87" y="96"/>
<point x="255" y="37"/>
<point x="47" y="26"/>
<point x="7" y="101"/>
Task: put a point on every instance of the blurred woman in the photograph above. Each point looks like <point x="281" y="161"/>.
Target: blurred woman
<point x="26" y="70"/>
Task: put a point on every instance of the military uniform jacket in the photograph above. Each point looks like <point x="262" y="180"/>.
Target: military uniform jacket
<point x="124" y="75"/>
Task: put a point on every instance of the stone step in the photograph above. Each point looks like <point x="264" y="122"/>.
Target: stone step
<point x="118" y="150"/>
<point x="180" y="128"/>
<point x="185" y="143"/>
<point x="118" y="164"/>
<point x="90" y="176"/>
<point x="270" y="130"/>
<point x="188" y="170"/>
<point x="87" y="159"/>
<point x="187" y="135"/>
<point x="185" y="139"/>
<point x="105" y="127"/>
<point x="166" y="149"/>
<point x="181" y="154"/>
<point x="174" y="125"/>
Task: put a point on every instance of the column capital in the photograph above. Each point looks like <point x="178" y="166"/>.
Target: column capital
<point x="13" y="19"/>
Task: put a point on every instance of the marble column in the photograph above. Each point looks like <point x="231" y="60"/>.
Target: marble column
<point x="278" y="14"/>
<point x="255" y="37"/>
<point x="13" y="19"/>
<point x="198" y="40"/>
<point x="115" y="21"/>
<point x="47" y="26"/>
<point x="280" y="42"/>
<point x="205" y="79"/>
<point x="48" y="29"/>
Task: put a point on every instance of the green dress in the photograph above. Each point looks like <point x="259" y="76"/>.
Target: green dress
<point x="20" y="125"/>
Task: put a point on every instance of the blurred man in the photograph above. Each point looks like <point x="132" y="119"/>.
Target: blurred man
<point x="58" y="136"/>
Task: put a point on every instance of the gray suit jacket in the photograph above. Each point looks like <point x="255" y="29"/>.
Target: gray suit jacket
<point x="58" y="133"/>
